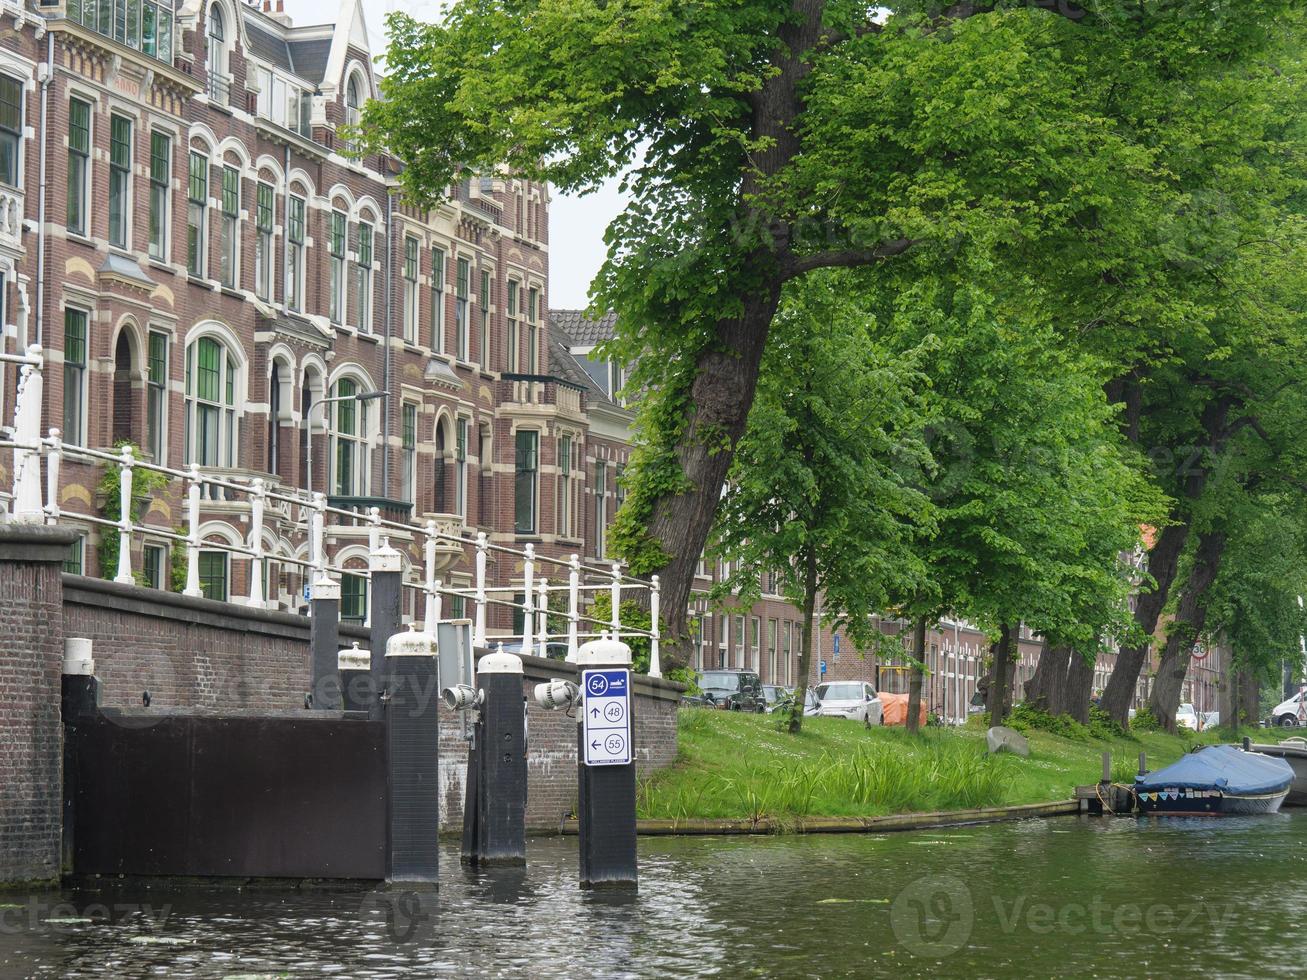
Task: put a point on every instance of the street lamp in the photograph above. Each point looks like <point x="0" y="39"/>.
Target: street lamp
<point x="362" y="396"/>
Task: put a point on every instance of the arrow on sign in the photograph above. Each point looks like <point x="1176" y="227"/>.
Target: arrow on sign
<point x="594" y="745"/>
<point x="594" y="712"/>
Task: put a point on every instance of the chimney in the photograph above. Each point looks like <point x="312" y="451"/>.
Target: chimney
<point x="279" y="15"/>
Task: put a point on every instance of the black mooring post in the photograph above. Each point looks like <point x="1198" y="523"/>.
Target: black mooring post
<point x="494" y="827"/>
<point x="384" y="612"/>
<point x="324" y="642"/>
<point x="412" y="757"/>
<point x="355" y="668"/>
<point x="605" y="792"/>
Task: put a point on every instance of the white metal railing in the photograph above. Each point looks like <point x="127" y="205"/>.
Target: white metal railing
<point x="583" y="579"/>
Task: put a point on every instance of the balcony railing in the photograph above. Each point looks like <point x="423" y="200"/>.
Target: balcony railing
<point x="219" y="89"/>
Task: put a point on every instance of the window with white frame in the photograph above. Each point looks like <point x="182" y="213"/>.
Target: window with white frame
<point x="336" y="283"/>
<point x="213" y="575"/>
<point x="142" y="25"/>
<point x="533" y="332"/>
<point x="363" y="278"/>
<point x="565" y="486"/>
<point x="409" y="450"/>
<point x="295" y="255"/>
<point x="353" y="110"/>
<point x="154" y="562"/>
<point x="75" y="339"/>
<point x="349" y="437"/>
<point x="160" y="193"/>
<point x="601" y="506"/>
<point x="438" y="300"/>
<point x="353" y="598"/>
<point x="264" y="253"/>
<point x="410" y="289"/>
<point x="211" y="382"/>
<point x="510" y="359"/>
<point x="229" y="261"/>
<point x="460" y="311"/>
<point x="11" y="129"/>
<point x="156" y="404"/>
<point x="526" y="480"/>
<point x="79" y="165"/>
<point x="285" y="102"/>
<point x="483" y="341"/>
<point x="460" y="467"/>
<point x="216" y="64"/>
<point x="120" y="179"/>
<point x="197" y="196"/>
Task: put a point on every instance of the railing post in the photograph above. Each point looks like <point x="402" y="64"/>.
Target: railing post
<point x="374" y="528"/>
<point x="317" y="552"/>
<point x="479" y="632"/>
<point x="432" y="615"/>
<point x="384" y="605"/>
<point x="528" y="598"/>
<point x="437" y="605"/>
<point x="573" y="604"/>
<point x="52" y="475"/>
<point x="257" y="493"/>
<point x="27" y="433"/>
<point x="193" y="536"/>
<point x="542" y="617"/>
<point x="125" y="518"/>
<point x="617" y="601"/>
<point x="655" y="661"/>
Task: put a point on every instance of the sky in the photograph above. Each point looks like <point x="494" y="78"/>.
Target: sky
<point x="576" y="224"/>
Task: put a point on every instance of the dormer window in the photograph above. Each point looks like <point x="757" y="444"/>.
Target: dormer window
<point x="285" y="103"/>
<point x="141" y="24"/>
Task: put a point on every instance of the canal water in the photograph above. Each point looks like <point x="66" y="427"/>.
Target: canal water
<point x="1063" y="897"/>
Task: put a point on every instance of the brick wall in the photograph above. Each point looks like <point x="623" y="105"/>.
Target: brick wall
<point x="215" y="656"/>
<point x="31" y="734"/>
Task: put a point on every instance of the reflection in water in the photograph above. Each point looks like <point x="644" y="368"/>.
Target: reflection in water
<point x="1065" y="897"/>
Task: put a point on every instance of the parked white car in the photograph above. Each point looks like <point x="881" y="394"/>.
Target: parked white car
<point x="1289" y="714"/>
<point x="849" y="699"/>
<point x="1186" y="717"/>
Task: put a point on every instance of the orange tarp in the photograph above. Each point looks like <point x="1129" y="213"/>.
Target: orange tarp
<point x="895" y="709"/>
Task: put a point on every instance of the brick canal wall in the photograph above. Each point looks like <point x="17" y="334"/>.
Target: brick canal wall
<point x="215" y="657"/>
<point x="31" y="734"/>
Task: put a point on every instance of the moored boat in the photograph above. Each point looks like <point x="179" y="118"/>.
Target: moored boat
<point x="1218" y="780"/>
<point x="1293" y="751"/>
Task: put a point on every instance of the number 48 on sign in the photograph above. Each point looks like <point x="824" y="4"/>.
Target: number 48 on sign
<point x="606" y="713"/>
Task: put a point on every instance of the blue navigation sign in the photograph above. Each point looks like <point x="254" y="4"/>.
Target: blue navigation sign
<point x="606" y="714"/>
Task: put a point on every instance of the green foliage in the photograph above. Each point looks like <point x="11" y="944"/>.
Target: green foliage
<point x="177" y="563"/>
<point x="633" y="615"/>
<point x="1026" y="719"/>
<point x="145" y="484"/>
<point x="1145" y="721"/>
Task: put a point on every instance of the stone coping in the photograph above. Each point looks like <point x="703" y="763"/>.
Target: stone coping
<point x="87" y="591"/>
<point x="34" y="542"/>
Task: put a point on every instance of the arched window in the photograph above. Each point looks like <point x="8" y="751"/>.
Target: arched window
<point x="349" y="437"/>
<point x="211" y="382"/>
<point x="219" y="81"/>
<point x="353" y="108"/>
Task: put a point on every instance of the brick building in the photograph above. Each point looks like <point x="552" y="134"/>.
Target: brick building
<point x="215" y="277"/>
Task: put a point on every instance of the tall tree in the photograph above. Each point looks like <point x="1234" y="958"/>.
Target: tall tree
<point x="817" y="495"/>
<point x="768" y="140"/>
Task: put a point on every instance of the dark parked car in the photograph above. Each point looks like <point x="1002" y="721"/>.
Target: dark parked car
<point x="731" y="690"/>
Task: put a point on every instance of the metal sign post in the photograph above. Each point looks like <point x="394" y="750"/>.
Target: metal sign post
<point x="606" y="764"/>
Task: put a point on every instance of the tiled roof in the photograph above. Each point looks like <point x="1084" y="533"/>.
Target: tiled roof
<point x="563" y="364"/>
<point x="305" y="59"/>
<point x="583" y="331"/>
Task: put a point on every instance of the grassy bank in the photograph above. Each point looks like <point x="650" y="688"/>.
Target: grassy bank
<point x="744" y="767"/>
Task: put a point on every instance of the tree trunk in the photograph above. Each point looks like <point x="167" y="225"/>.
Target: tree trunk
<point x="914" y="682"/>
<point x="1000" y="679"/>
<point x="1079" y="687"/>
<point x="1191" y="613"/>
<point x="1044" y="689"/>
<point x="805" y="642"/>
<point x="1248" y="703"/>
<point x="1163" y="561"/>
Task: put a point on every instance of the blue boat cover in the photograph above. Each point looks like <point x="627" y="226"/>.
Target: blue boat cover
<point x="1224" y="767"/>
